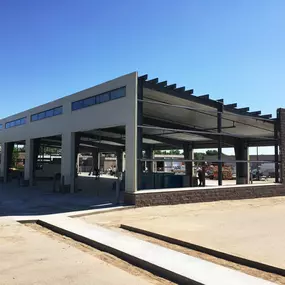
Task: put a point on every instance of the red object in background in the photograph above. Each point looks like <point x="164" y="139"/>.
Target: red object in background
<point x="227" y="172"/>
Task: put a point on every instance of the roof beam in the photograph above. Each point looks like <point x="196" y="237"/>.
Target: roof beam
<point x="99" y="145"/>
<point x="243" y="110"/>
<point x="162" y="83"/>
<point x="153" y="81"/>
<point x="267" y="116"/>
<point x="221" y="101"/>
<point x="229" y="106"/>
<point x="190" y="91"/>
<point x="182" y="95"/>
<point x="180" y="89"/>
<point x="206" y="96"/>
<point x="168" y="141"/>
<point x="172" y="86"/>
<point x="172" y="125"/>
<point x="143" y="77"/>
<point x="104" y="138"/>
<point x="255" y="113"/>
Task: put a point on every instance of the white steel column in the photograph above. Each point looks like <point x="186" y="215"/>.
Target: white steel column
<point x="29" y="161"/>
<point x="131" y="158"/>
<point x="68" y="160"/>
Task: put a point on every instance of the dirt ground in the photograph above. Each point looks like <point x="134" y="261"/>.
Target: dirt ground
<point x="254" y="229"/>
<point x="30" y="256"/>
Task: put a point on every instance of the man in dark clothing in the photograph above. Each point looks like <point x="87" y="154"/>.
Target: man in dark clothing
<point x="201" y="175"/>
<point x="97" y="173"/>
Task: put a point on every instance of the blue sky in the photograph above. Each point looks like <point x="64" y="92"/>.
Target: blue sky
<point x="228" y="49"/>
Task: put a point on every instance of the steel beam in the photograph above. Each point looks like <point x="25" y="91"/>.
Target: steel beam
<point x="267" y="116"/>
<point x="231" y="106"/>
<point x="206" y="96"/>
<point x="242" y="110"/>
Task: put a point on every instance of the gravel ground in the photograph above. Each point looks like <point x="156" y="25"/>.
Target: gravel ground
<point x="30" y="256"/>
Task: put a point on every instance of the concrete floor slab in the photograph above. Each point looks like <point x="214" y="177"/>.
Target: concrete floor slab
<point x="176" y="263"/>
<point x="40" y="200"/>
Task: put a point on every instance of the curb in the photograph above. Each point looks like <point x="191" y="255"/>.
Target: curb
<point x="213" y="252"/>
<point x="156" y="270"/>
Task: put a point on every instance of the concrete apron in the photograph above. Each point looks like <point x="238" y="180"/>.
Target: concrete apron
<point x="172" y="265"/>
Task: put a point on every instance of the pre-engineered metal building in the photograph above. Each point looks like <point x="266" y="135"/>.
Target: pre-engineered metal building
<point x="134" y="116"/>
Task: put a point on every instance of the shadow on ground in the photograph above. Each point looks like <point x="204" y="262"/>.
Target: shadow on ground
<point x="41" y="200"/>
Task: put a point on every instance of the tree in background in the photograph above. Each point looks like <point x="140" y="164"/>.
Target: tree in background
<point x="51" y="150"/>
<point x="198" y="156"/>
<point x="15" y="156"/>
<point x="211" y="152"/>
<point x="171" y="152"/>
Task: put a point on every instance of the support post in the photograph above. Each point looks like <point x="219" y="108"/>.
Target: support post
<point x="95" y="159"/>
<point x="219" y="128"/>
<point x="29" y="163"/>
<point x="36" y="152"/>
<point x="3" y="172"/>
<point x="241" y="153"/>
<point x="139" y="134"/>
<point x="276" y="145"/>
<point x="149" y="155"/>
<point x="188" y="154"/>
<point x="6" y="160"/>
<point x="119" y="155"/>
<point x="281" y="119"/>
<point x="68" y="162"/>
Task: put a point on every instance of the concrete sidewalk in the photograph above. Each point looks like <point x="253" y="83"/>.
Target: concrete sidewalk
<point x="182" y="268"/>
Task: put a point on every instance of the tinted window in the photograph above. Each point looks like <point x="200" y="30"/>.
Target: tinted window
<point x="118" y="93"/>
<point x="34" y="117"/>
<point x="23" y="121"/>
<point x="41" y="115"/>
<point x="89" y="102"/>
<point x="97" y="99"/>
<point x="49" y="113"/>
<point x="101" y="98"/>
<point x="77" y="105"/>
<point x="57" y="111"/>
<point x="104" y="97"/>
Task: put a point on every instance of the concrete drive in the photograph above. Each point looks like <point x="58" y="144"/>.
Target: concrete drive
<point x="29" y="257"/>
<point x="253" y="229"/>
<point x="40" y="200"/>
<point x="184" y="266"/>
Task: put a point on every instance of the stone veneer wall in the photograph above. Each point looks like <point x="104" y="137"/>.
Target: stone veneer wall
<point x="142" y="199"/>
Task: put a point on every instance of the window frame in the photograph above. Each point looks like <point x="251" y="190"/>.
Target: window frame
<point x="98" y="99"/>
<point x="56" y="111"/>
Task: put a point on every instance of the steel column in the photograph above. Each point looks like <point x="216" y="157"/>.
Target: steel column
<point x="276" y="155"/>
<point x="139" y="134"/>
<point x="219" y="128"/>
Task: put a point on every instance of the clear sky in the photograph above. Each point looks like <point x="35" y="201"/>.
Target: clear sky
<point x="228" y="49"/>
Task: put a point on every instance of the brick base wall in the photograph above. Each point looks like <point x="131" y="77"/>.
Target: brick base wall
<point x="142" y="199"/>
